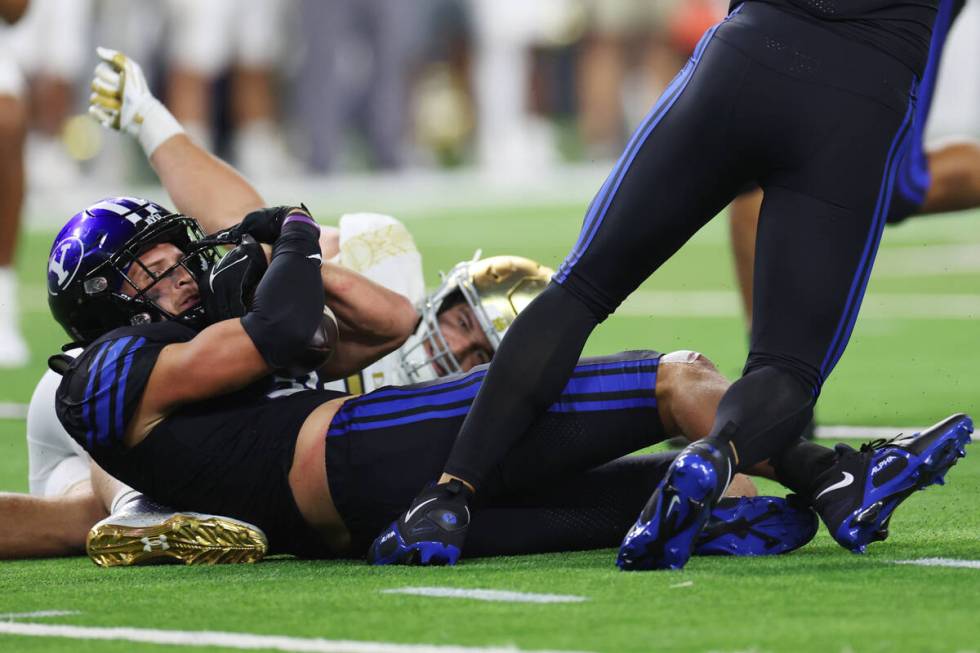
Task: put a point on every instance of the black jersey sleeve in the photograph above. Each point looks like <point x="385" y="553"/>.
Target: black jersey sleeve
<point x="100" y="390"/>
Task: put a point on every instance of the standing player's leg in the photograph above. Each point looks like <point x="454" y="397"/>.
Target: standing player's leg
<point x="827" y="194"/>
<point x="675" y="175"/>
<point x="941" y="179"/>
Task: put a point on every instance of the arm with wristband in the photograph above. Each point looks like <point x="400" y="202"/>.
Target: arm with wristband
<point x="288" y="307"/>
<point x="372" y="320"/>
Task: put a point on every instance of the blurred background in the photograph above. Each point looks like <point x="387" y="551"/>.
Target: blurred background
<point x="314" y="90"/>
<point x="482" y="124"/>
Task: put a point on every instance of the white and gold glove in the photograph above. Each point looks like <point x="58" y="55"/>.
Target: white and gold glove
<point x="121" y="100"/>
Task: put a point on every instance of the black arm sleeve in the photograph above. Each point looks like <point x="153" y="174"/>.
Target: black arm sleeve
<point x="288" y="305"/>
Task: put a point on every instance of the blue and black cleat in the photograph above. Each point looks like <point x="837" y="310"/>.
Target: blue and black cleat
<point x="857" y="496"/>
<point x="665" y="532"/>
<point x="757" y="526"/>
<point x="431" y="532"/>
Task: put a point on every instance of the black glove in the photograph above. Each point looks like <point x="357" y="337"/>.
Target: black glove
<point x="227" y="289"/>
<point x="265" y="225"/>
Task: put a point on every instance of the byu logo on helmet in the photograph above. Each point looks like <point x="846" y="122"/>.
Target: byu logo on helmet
<point x="66" y="258"/>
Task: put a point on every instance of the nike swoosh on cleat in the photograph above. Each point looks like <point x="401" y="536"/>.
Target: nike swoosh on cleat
<point x="636" y="529"/>
<point x="408" y="515"/>
<point x="847" y="480"/>
<point x="218" y="270"/>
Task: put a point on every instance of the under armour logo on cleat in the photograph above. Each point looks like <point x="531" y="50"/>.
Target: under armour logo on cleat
<point x="149" y="543"/>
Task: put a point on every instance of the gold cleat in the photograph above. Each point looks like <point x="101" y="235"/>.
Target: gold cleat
<point x="188" y="537"/>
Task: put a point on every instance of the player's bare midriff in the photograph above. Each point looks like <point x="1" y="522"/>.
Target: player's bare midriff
<point x="308" y="478"/>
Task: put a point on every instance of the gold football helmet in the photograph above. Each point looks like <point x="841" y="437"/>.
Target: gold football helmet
<point x="497" y="288"/>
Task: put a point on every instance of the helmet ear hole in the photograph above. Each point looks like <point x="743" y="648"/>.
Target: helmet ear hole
<point x="95" y="285"/>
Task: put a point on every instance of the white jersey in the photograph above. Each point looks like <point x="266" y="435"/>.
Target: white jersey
<point x="382" y="249"/>
<point x="56" y="462"/>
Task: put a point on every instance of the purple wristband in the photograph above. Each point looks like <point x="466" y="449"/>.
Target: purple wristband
<point x="300" y="217"/>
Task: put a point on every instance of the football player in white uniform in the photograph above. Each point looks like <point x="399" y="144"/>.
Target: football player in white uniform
<point x="458" y="327"/>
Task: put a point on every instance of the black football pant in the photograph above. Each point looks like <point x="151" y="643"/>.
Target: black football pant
<point x="819" y="122"/>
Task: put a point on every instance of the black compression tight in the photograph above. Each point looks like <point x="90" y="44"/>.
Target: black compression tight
<point x="510" y="398"/>
<point x="592" y="510"/>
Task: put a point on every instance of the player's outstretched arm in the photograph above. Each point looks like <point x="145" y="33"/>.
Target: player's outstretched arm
<point x="200" y="184"/>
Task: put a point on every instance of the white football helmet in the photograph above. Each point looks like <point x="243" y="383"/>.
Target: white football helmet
<point x="496" y="288"/>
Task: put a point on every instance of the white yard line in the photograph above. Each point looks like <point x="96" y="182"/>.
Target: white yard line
<point x="927" y="260"/>
<point x="863" y="432"/>
<point x="10" y="616"/>
<point x="941" y="562"/>
<point x="725" y="304"/>
<point x="411" y="194"/>
<point x="486" y="595"/>
<point x="13" y="411"/>
<point x="245" y="641"/>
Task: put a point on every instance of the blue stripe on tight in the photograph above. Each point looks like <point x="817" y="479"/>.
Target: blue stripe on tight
<point x="399" y="404"/>
<point x="600" y="204"/>
<point x="598" y="209"/>
<point x="428" y="388"/>
<point x="344" y="426"/>
<point x="863" y="273"/>
<point x="914" y="180"/>
<point x="121" y="389"/>
<point x="87" y="412"/>
<point x="438" y="387"/>
<point x="457" y="402"/>
<point x="624" y="380"/>
<point x="107" y="377"/>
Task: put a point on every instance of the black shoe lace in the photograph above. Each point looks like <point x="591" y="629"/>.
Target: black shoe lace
<point x="880" y="443"/>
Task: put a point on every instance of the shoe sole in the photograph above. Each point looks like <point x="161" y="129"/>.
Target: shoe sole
<point x="870" y="523"/>
<point x="659" y="545"/>
<point x="757" y="526"/>
<point x="186" y="538"/>
<point x="424" y="553"/>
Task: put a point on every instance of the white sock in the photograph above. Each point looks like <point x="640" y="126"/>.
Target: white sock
<point x="123" y="497"/>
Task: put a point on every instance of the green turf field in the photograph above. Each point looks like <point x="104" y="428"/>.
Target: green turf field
<point x="912" y="360"/>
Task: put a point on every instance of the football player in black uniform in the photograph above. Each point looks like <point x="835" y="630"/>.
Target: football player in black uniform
<point x="941" y="179"/>
<point x="176" y="402"/>
<point x="814" y="102"/>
